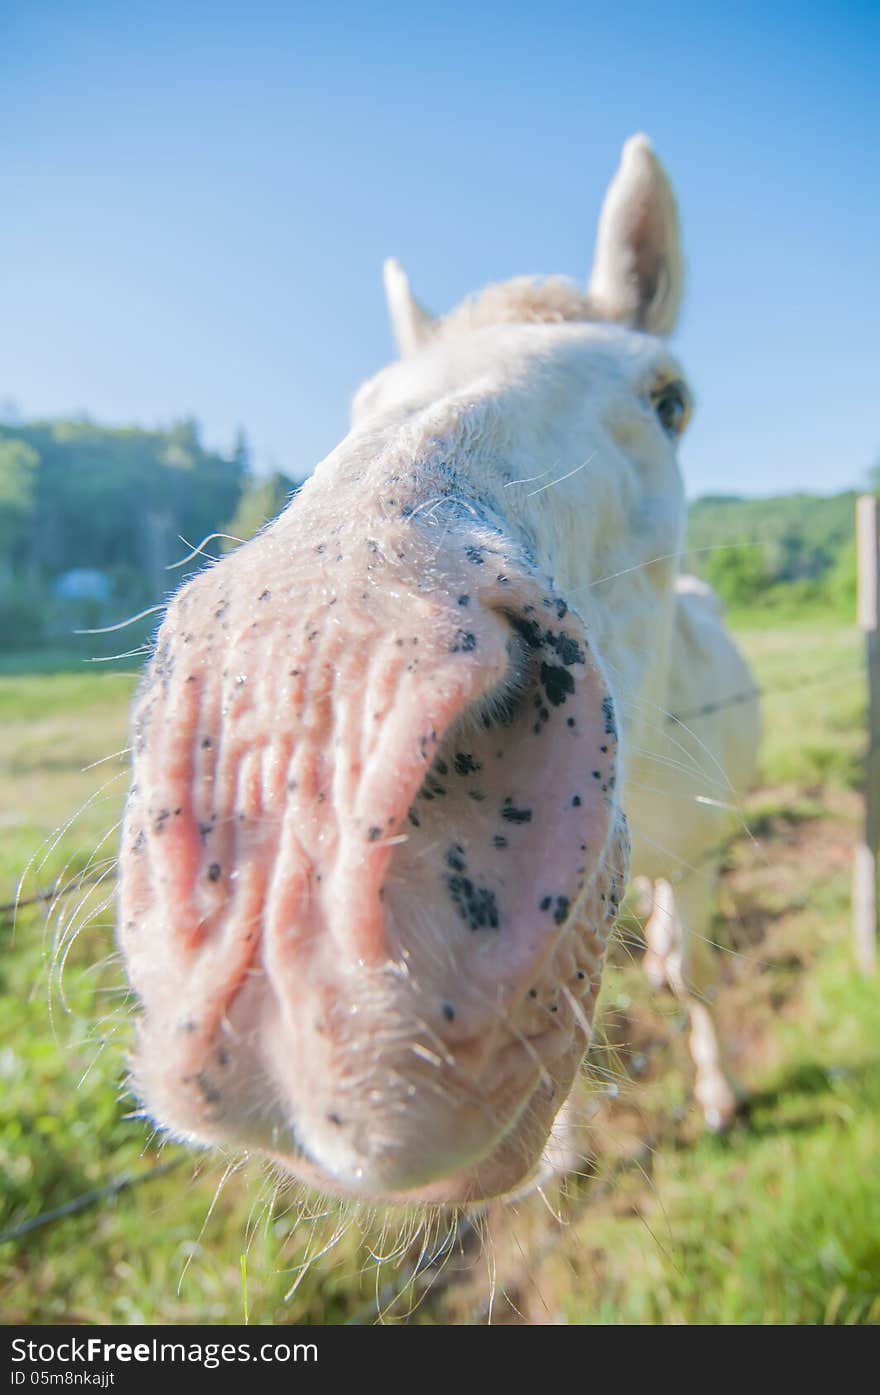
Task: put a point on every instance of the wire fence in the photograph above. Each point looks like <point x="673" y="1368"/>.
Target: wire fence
<point x="125" y="1182"/>
<point x="752" y="694"/>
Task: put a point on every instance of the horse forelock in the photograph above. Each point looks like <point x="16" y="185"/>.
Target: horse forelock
<point x="522" y="300"/>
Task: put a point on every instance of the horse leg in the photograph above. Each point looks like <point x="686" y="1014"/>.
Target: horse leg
<point x="655" y="903"/>
<point x="679" y="952"/>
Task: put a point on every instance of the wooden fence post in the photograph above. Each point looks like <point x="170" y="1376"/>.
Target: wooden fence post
<point x="865" y="863"/>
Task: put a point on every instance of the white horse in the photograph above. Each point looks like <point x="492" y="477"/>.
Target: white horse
<point x="385" y="753"/>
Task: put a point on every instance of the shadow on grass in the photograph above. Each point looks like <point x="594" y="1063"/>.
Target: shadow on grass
<point x="776" y="819"/>
<point x="795" y="1103"/>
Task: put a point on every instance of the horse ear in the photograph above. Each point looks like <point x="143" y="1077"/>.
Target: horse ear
<point x="637" y="276"/>
<point x="411" y="325"/>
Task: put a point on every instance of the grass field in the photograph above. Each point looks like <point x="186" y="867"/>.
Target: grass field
<point x="777" y="1222"/>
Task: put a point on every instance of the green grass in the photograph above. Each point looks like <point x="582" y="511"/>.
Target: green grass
<point x="52" y="727"/>
<point x="812" y="675"/>
<point x="779" y="1222"/>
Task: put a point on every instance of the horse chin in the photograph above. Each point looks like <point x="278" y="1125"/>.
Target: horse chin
<point x="510" y="1165"/>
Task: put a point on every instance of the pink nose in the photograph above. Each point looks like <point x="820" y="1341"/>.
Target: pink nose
<point x="373" y="785"/>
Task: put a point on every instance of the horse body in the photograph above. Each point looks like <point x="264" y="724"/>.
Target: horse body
<point x="384" y="753"/>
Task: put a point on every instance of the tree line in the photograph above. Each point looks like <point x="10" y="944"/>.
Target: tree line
<point x="122" y="501"/>
<point x="792" y="552"/>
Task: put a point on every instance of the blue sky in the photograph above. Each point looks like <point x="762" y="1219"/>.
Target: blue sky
<point x="197" y="198"/>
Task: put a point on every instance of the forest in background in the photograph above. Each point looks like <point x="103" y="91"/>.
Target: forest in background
<point x="77" y="499"/>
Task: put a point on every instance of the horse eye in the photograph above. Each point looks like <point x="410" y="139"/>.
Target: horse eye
<point x="671" y="405"/>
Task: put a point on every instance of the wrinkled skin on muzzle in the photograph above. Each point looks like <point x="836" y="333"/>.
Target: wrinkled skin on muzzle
<point x="372" y="850"/>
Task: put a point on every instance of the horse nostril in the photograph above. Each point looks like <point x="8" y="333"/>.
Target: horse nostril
<point x="501" y="704"/>
<point x="534" y="658"/>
